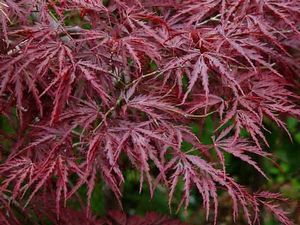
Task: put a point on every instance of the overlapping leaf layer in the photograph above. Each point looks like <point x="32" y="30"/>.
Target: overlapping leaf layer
<point x="89" y="87"/>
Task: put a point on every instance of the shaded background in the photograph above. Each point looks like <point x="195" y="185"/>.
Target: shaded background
<point x="283" y="172"/>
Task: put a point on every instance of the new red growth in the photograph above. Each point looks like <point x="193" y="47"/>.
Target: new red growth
<point x="89" y="85"/>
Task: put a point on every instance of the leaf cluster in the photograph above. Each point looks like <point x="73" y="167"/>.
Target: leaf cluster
<point x="90" y="88"/>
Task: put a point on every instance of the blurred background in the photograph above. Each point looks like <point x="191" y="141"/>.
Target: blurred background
<point x="283" y="173"/>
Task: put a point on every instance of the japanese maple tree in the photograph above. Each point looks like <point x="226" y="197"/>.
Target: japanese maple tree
<point x="90" y="87"/>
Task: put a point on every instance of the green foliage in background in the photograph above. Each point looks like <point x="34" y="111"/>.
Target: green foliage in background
<point x="283" y="173"/>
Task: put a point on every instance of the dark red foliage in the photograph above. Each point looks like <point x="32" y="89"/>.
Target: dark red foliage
<point x="128" y="79"/>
